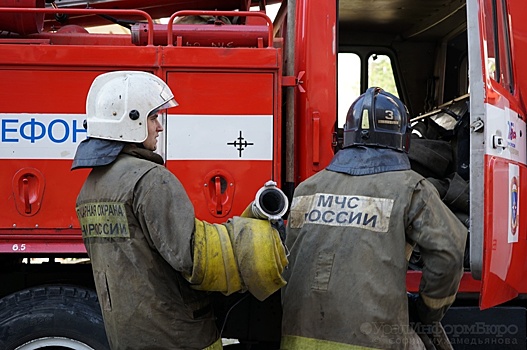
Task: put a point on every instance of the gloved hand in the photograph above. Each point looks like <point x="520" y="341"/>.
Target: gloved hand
<point x="418" y="311"/>
<point x="412" y="307"/>
<point x="431" y="333"/>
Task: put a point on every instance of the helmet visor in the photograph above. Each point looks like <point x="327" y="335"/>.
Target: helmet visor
<point x="165" y="105"/>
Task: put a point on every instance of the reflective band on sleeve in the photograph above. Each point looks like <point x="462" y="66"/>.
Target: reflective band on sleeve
<point x="437" y="303"/>
<point x="290" y="342"/>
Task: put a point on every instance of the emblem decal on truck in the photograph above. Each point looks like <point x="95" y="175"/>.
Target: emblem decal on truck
<point x="514" y="194"/>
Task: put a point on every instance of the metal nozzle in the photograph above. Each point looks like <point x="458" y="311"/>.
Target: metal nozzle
<point x="270" y="202"/>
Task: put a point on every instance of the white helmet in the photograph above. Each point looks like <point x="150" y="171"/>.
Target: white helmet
<point x="119" y="103"/>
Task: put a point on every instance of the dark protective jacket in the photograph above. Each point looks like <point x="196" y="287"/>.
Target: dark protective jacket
<point x="137" y="224"/>
<point x="350" y="238"/>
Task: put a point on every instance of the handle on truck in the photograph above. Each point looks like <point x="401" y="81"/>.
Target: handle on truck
<point x="170" y="38"/>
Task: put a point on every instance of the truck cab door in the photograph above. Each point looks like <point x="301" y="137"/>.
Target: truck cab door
<point x="498" y="149"/>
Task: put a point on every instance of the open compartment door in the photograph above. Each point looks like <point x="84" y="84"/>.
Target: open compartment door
<point x="498" y="156"/>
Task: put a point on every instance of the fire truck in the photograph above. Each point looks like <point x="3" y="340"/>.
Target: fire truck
<point x="260" y="100"/>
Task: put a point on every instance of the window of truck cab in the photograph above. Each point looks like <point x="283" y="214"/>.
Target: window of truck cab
<point x="498" y="45"/>
<point x="356" y="72"/>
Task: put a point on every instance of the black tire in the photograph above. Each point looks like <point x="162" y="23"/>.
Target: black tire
<point x="52" y="317"/>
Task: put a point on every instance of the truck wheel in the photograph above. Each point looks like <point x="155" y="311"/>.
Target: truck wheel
<point x="52" y="317"/>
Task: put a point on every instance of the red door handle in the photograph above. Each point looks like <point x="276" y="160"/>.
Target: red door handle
<point x="25" y="191"/>
<point x="218" y="189"/>
<point x="28" y="186"/>
<point x="217" y="185"/>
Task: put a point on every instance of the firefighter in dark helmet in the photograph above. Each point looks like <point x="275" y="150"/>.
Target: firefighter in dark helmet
<point x="351" y="230"/>
<point x="153" y="261"/>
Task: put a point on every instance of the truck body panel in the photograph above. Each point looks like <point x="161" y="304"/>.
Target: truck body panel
<point x="497" y="251"/>
<point x="262" y="100"/>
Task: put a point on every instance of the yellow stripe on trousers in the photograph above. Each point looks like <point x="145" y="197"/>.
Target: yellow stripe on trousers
<point x="216" y="346"/>
<point x="290" y="342"/>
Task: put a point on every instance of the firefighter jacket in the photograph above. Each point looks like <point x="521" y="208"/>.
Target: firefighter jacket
<point x="137" y="225"/>
<point x="145" y="245"/>
<point x="350" y="238"/>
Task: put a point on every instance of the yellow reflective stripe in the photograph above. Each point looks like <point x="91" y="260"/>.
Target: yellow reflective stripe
<point x="437" y="303"/>
<point x="291" y="342"/>
<point x="216" y="346"/>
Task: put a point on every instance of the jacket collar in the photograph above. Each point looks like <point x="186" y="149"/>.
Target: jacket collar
<point x="94" y="152"/>
<point x="362" y="160"/>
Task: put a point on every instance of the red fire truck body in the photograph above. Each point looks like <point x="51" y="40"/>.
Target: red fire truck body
<point x="258" y="100"/>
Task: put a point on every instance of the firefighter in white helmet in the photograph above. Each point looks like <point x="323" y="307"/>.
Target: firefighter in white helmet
<point x="351" y="231"/>
<point x="152" y="261"/>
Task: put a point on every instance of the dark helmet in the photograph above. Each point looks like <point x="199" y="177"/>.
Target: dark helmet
<point x="377" y="118"/>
